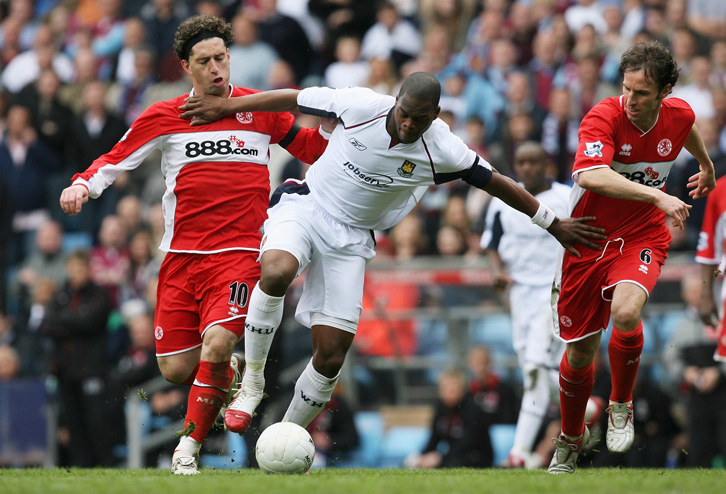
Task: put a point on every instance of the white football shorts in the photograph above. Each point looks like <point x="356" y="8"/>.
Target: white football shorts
<point x="533" y="333"/>
<point x="332" y="254"/>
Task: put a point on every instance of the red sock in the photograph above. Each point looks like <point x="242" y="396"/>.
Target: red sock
<point x="624" y="350"/>
<point x="207" y="397"/>
<point x="190" y="380"/>
<point x="575" y="389"/>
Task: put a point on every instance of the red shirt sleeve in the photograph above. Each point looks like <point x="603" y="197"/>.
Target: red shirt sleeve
<point x="308" y="145"/>
<point x="596" y="145"/>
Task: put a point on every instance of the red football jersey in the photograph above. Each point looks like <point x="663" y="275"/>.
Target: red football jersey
<point x="217" y="181"/>
<point x="712" y="240"/>
<point x="608" y="138"/>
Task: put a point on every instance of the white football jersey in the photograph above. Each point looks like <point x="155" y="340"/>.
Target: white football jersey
<point x="361" y="179"/>
<point x="529" y="251"/>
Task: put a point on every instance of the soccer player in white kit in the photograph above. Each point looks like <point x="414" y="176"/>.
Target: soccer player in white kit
<point x="523" y="258"/>
<point x="380" y="160"/>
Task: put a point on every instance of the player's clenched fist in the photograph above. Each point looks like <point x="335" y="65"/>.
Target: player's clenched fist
<point x="73" y="198"/>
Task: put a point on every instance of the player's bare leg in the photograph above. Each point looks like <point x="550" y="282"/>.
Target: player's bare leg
<point x="624" y="349"/>
<point x="264" y="315"/>
<point x="315" y="385"/>
<point x="210" y="387"/>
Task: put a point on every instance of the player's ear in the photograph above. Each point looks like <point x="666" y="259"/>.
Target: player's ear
<point x="436" y="114"/>
<point x="186" y="67"/>
<point x="666" y="91"/>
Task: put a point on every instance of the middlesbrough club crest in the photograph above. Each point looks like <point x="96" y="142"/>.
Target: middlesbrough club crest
<point x="665" y="147"/>
<point x="244" y="117"/>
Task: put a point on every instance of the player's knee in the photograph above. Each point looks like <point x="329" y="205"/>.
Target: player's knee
<point x="329" y="363"/>
<point x="175" y="374"/>
<point x="276" y="277"/>
<point x="625" y="317"/>
<point x="579" y="356"/>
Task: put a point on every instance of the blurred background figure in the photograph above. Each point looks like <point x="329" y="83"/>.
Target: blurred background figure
<point x="459" y="431"/>
<point x="76" y="321"/>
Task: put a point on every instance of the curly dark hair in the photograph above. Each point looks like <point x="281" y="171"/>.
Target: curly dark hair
<point x="654" y="59"/>
<point x="198" y="25"/>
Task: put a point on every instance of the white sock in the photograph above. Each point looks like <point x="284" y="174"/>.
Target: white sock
<point x="535" y="402"/>
<point x="264" y="315"/>
<point x="312" y="392"/>
<point x="189" y="445"/>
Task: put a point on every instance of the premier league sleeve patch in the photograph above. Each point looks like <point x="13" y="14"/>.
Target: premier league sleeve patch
<point x="593" y="149"/>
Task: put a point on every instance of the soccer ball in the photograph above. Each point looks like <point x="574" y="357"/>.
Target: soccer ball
<point x="285" y="447"/>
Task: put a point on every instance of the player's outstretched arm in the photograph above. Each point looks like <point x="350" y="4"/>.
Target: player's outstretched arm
<point x="203" y="109"/>
<point x="608" y="182"/>
<point x="567" y="231"/>
<point x="704" y="181"/>
<point x="73" y="198"/>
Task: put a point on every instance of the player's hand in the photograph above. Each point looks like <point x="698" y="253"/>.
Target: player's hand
<point x="73" y="198"/>
<point x="502" y="281"/>
<point x="328" y="124"/>
<point x="570" y="231"/>
<point x="203" y="109"/>
<point x="702" y="183"/>
<point x="673" y="207"/>
<point x="708" y="311"/>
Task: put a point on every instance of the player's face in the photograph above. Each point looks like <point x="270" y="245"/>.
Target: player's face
<point x="642" y="99"/>
<point x="411" y="118"/>
<point x="209" y="67"/>
<point x="530" y="167"/>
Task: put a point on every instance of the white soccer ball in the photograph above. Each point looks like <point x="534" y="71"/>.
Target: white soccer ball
<point x="285" y="447"/>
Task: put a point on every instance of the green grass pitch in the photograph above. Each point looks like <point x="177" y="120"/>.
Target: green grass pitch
<point x="363" y="481"/>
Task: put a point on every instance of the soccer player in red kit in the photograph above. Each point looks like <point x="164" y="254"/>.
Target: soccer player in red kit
<point x="711" y="255"/>
<point x="627" y="146"/>
<point x="217" y="192"/>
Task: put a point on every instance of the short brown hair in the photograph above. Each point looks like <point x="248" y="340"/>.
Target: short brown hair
<point x="189" y="31"/>
<point x="654" y="59"/>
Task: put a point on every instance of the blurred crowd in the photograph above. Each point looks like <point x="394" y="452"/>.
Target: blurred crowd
<point x="76" y="73"/>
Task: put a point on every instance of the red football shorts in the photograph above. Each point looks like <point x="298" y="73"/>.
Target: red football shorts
<point x="583" y="306"/>
<point x="197" y="291"/>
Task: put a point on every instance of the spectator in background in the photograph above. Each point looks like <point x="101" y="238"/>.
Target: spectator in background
<point x="688" y="357"/>
<point x="352" y="17"/>
<point x="47" y="260"/>
<point x="71" y="94"/>
<point x="284" y="34"/>
<point x="27" y="66"/>
<point x="697" y="92"/>
<point x="20" y="13"/>
<point x="708" y="17"/>
<point x="454" y="15"/>
<point x="76" y="321"/>
<point x="137" y="366"/>
<point x="162" y="18"/>
<point x="391" y="37"/>
<point x="9" y="363"/>
<point x="493" y="396"/>
<point x="559" y="134"/>
<point x="588" y="88"/>
<point x="95" y="131"/>
<point x="110" y="260"/>
<point x="51" y="118"/>
<point x="143" y="266"/>
<point x="333" y="430"/>
<point x="519" y="99"/>
<point x="129" y="98"/>
<point x="134" y="38"/>
<point x="25" y="164"/>
<point x="130" y="213"/>
<point x="348" y="69"/>
<point x="543" y="66"/>
<point x="382" y="76"/>
<point x="10" y="46"/>
<point x="408" y="238"/>
<point x="35" y="347"/>
<point x="458" y="423"/>
<point x="248" y="51"/>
